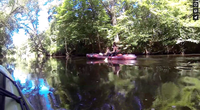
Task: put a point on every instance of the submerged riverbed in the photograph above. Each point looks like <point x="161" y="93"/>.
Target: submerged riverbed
<point x="149" y="83"/>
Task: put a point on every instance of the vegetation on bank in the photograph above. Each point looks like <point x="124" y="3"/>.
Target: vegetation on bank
<point x="78" y="27"/>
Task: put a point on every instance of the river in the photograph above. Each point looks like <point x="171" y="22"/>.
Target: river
<point x="163" y="82"/>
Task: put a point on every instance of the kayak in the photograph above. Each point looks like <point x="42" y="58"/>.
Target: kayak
<point x="117" y="57"/>
<point x="122" y="62"/>
<point x="11" y="97"/>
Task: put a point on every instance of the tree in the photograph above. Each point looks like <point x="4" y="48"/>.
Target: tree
<point x="81" y="23"/>
<point x="9" y="20"/>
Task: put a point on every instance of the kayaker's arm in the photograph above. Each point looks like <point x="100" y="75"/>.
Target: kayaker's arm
<point x="107" y="51"/>
<point x="115" y="49"/>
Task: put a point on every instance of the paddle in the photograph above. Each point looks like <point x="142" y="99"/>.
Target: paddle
<point x="106" y="60"/>
<point x="107" y="51"/>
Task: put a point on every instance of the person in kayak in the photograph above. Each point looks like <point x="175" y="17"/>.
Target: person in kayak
<point x="115" y="49"/>
<point x="114" y="52"/>
<point x="108" y="52"/>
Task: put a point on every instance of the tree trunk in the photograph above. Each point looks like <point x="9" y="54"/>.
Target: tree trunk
<point x="111" y="12"/>
<point x="99" y="42"/>
<point x="146" y="51"/>
<point x="167" y="50"/>
<point x="114" y="19"/>
<point x="66" y="52"/>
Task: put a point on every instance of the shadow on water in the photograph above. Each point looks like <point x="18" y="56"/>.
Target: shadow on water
<point x="150" y="83"/>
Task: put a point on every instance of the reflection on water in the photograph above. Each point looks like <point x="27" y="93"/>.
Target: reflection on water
<point x="150" y="83"/>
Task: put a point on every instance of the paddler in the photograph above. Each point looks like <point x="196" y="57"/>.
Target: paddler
<point x="115" y="49"/>
<point x="107" y="53"/>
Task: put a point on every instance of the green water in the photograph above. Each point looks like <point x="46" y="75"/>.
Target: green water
<point x="151" y="83"/>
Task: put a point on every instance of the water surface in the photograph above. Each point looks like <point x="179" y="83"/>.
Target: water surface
<point x="149" y="83"/>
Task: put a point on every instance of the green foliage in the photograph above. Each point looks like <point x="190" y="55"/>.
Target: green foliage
<point x="140" y="24"/>
<point x="81" y="23"/>
<point x="81" y="27"/>
<point x="8" y="21"/>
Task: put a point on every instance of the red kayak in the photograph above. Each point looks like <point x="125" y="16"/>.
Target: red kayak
<point x="117" y="57"/>
<point x="122" y="62"/>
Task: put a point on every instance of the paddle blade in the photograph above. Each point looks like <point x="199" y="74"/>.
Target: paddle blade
<point x="106" y="60"/>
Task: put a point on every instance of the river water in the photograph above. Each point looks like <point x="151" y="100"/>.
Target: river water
<point x="148" y="83"/>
